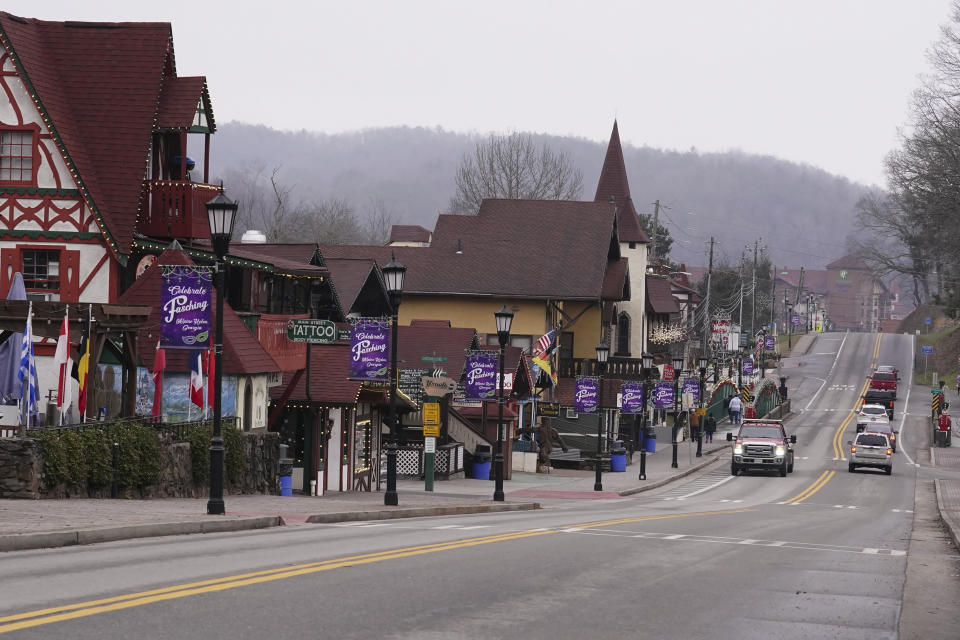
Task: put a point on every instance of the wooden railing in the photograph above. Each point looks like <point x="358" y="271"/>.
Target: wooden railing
<point x="620" y="368"/>
<point x="175" y="209"/>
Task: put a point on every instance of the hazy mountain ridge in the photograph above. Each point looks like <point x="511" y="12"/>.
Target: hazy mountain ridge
<point x="801" y="212"/>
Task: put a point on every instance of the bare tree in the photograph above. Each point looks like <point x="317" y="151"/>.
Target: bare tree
<point x="513" y="167"/>
<point x="379" y="221"/>
<point x="264" y="203"/>
<point x="331" y="222"/>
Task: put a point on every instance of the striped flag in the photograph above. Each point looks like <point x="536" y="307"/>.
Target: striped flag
<point x="196" y="378"/>
<point x="27" y="375"/>
<point x="63" y="362"/>
<point x="159" y="364"/>
<point x="546" y="340"/>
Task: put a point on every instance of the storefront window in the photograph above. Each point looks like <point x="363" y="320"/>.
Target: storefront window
<point x="363" y="443"/>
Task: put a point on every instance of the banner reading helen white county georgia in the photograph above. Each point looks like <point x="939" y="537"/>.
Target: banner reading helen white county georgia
<point x="369" y="350"/>
<point x="481" y="375"/>
<point x="585" y="395"/>
<point x="185" y="307"/>
<point x="663" y="395"/>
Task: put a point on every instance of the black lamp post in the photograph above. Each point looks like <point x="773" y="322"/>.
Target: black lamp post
<point x="702" y="365"/>
<point x="504" y="320"/>
<point x="647" y="362"/>
<point x="393" y="274"/>
<point x="789" y="326"/>
<point x="677" y="368"/>
<point x="603" y="352"/>
<point x="221" y="214"/>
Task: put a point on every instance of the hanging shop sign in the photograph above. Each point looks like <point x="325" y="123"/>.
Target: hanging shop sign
<point x="369" y="346"/>
<point x="185" y="306"/>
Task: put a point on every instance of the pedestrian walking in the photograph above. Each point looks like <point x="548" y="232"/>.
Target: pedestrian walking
<point x="709" y="428"/>
<point x="736" y="407"/>
<point x="694" y="422"/>
<point x="958" y="384"/>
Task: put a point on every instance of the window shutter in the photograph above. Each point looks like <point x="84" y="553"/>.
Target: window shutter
<point x="10" y="263"/>
<point x="69" y="275"/>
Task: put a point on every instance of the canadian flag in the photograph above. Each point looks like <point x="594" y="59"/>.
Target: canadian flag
<point x="62" y="360"/>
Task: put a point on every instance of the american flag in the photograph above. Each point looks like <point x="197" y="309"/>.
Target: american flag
<point x="546" y="340"/>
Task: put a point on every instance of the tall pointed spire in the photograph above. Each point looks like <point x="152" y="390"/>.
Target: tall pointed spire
<point x="613" y="187"/>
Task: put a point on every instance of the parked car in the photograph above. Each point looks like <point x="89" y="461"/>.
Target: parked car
<point x="870" y="450"/>
<point x="871" y="414"/>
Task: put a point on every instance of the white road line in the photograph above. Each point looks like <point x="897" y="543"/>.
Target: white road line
<point x="871" y="551"/>
<point x="707" y="488"/>
<point x="778" y="543"/>
<point x="447" y="526"/>
<point x="905" y="403"/>
<point x="477" y="526"/>
<point x="675" y="536"/>
<point x="832" y="367"/>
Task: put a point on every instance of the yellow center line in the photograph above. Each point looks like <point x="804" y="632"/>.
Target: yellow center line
<point x="818" y="484"/>
<point x="117" y="603"/>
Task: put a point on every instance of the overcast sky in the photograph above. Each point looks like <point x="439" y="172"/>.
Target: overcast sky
<point x="823" y="82"/>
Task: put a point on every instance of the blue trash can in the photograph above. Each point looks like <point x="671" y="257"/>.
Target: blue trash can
<point x="618" y="460"/>
<point x="650" y="444"/>
<point x="481" y="470"/>
<point x="286" y="486"/>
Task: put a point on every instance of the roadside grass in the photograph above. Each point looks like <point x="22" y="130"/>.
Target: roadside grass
<point x="934" y="339"/>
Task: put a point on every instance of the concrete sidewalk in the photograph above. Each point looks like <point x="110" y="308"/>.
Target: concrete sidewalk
<point x="947" y="490"/>
<point x="38" y="524"/>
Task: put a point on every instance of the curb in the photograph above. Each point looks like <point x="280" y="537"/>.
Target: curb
<point x="951" y="529"/>
<point x="659" y="483"/>
<point x="50" y="540"/>
<point x="419" y="512"/>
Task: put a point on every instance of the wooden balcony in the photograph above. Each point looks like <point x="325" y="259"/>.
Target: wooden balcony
<point x="175" y="209"/>
<point x="272" y="334"/>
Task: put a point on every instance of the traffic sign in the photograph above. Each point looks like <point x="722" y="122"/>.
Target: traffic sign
<point x="927" y="320"/>
<point x="311" y="331"/>
<point x="927" y="350"/>
<point x="433" y="358"/>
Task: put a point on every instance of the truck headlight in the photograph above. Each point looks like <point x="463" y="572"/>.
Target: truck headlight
<point x="738" y="449"/>
<point x="781" y="450"/>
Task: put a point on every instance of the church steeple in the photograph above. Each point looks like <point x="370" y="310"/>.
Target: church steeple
<point x="613" y="187"/>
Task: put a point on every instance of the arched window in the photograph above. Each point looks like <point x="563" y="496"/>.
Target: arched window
<point x="623" y="334"/>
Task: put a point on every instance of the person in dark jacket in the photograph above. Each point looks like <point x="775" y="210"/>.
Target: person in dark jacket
<point x="709" y="427"/>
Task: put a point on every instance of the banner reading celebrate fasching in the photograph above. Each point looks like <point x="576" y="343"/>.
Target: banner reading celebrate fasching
<point x="663" y="395"/>
<point x="481" y="376"/>
<point x="369" y="346"/>
<point x="747" y="367"/>
<point x="631" y="397"/>
<point x="185" y="307"/>
<point x="585" y="396"/>
<point x="692" y="385"/>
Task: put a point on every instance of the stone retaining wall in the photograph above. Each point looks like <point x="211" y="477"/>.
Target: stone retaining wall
<point x="21" y="472"/>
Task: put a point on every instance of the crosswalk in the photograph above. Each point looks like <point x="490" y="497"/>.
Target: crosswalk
<point x="700" y="485"/>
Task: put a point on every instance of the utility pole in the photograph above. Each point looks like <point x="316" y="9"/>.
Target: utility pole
<point x="773" y="291"/>
<point x="753" y="298"/>
<point x="741" y="294"/>
<point x="706" y="315"/>
<point x="653" y="232"/>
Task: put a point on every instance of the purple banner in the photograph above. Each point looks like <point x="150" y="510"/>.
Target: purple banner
<point x="692" y="385"/>
<point x="369" y="350"/>
<point x="185" y="307"/>
<point x="631" y="397"/>
<point x="585" y="396"/>
<point x="663" y="395"/>
<point x="481" y="375"/>
<point x="747" y="367"/>
<point x="769" y="343"/>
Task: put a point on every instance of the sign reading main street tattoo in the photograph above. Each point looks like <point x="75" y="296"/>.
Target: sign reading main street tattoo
<point x="631" y="397"/>
<point x="663" y="395"/>
<point x="585" y="395"/>
<point x="185" y="307"/>
<point x="369" y="346"/>
<point x="481" y="376"/>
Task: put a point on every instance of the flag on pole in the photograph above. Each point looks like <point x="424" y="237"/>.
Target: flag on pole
<point x="196" y="378"/>
<point x="159" y="364"/>
<point x="544" y="360"/>
<point x="546" y="340"/>
<point x="27" y="375"/>
<point x="83" y="368"/>
<point x="62" y="360"/>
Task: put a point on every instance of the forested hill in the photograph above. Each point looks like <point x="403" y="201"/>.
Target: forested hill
<point x="801" y="213"/>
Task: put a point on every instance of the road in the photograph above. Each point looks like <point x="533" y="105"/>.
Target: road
<point x="822" y="553"/>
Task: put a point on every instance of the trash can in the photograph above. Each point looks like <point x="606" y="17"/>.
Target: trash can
<point x="481" y="462"/>
<point x="618" y="460"/>
<point x="650" y="442"/>
<point x="286" y="477"/>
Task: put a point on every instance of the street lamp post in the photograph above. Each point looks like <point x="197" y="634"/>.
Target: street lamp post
<point x="789" y="326"/>
<point x="221" y="214"/>
<point x="504" y="320"/>
<point x="702" y="365"/>
<point x="393" y="274"/>
<point x="647" y="361"/>
<point x="677" y="368"/>
<point x="603" y="352"/>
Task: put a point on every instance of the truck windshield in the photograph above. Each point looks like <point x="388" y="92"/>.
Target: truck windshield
<point x="754" y="431"/>
<point x="885" y="377"/>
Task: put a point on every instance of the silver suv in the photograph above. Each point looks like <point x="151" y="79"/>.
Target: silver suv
<point x="871" y="450"/>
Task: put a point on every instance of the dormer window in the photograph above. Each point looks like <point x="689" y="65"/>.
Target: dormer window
<point x="18" y="156"/>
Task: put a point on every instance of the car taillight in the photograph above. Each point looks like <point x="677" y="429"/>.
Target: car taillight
<point x="889" y="451"/>
<point x="853" y="449"/>
<point x="892" y="438"/>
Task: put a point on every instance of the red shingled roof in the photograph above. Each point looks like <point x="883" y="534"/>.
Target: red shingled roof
<point x="329" y="369"/>
<point x="178" y="102"/>
<point x="348" y="276"/>
<point x="409" y="233"/>
<point x="242" y="352"/>
<point x="660" y="296"/>
<point x="614" y="187"/>
<point x="100" y="85"/>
